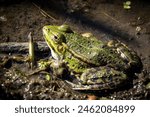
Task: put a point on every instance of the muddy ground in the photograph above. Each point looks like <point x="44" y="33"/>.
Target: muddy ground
<point x="106" y="19"/>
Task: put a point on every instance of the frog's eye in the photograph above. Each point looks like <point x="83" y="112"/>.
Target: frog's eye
<point x="55" y="37"/>
<point x="58" y="38"/>
<point x="65" y="28"/>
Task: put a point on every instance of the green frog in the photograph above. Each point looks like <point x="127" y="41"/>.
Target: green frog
<point x="95" y="63"/>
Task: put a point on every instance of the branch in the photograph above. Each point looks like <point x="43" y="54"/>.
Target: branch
<point x="22" y="47"/>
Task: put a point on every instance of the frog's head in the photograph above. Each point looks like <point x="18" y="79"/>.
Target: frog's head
<point x="55" y="37"/>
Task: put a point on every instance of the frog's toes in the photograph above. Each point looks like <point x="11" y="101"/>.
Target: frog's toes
<point x="87" y="34"/>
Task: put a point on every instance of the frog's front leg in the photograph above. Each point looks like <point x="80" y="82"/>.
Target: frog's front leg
<point x="57" y="67"/>
<point x="100" y="78"/>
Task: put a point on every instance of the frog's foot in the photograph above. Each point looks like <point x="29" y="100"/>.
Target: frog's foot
<point x="57" y="67"/>
<point x="87" y="34"/>
<point x="44" y="64"/>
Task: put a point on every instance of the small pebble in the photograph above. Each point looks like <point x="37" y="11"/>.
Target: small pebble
<point x="3" y="18"/>
<point x="138" y="29"/>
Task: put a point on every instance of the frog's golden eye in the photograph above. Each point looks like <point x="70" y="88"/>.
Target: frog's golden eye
<point x="55" y="37"/>
<point x="59" y="38"/>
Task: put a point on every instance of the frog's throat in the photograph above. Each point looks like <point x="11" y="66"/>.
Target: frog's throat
<point x="78" y="56"/>
<point x="54" y="54"/>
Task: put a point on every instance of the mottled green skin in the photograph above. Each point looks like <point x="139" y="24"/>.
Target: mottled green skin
<point x="94" y="61"/>
<point x="92" y="52"/>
